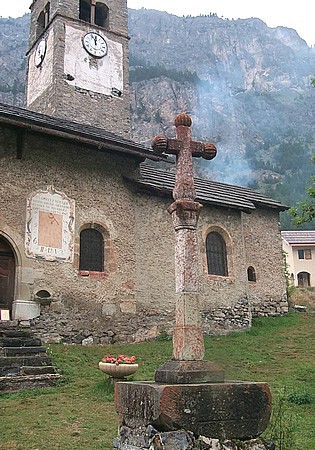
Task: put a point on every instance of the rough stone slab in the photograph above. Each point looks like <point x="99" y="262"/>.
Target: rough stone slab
<point x="152" y="439"/>
<point x="175" y="440"/>
<point x="189" y="372"/>
<point x="21" y="351"/>
<point x="37" y="370"/>
<point x="9" y="364"/>
<point x="230" y="410"/>
<point x="8" y="341"/>
<point x="5" y="324"/>
<point x="16" y="383"/>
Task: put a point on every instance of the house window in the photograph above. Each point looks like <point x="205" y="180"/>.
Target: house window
<point x="216" y="254"/>
<point x="94" y="12"/>
<point x="305" y="254"/>
<point x="91" y="250"/>
<point x="251" y="274"/>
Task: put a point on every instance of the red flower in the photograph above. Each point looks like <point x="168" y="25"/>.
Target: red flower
<point x="120" y="359"/>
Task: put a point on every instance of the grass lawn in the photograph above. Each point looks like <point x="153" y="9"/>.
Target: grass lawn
<point x="80" y="413"/>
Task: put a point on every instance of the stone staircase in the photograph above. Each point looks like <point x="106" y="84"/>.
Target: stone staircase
<point x="24" y="363"/>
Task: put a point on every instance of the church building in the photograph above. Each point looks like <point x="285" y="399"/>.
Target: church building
<point x="86" y="242"/>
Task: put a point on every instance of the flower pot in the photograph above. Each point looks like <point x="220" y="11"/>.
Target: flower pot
<point x="118" y="370"/>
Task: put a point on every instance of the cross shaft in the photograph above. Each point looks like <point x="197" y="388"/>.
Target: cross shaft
<point x="188" y="342"/>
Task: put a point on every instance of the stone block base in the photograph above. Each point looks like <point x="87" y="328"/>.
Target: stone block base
<point x="230" y="410"/>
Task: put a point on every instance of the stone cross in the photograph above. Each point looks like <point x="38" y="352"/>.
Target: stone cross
<point x="188" y="343"/>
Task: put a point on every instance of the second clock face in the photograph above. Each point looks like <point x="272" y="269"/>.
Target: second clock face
<point x="40" y="52"/>
<point x="95" y="45"/>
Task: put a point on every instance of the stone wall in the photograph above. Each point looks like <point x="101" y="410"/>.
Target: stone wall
<point x="151" y="439"/>
<point x="94" y="181"/>
<point x="133" y="299"/>
<point x="263" y="248"/>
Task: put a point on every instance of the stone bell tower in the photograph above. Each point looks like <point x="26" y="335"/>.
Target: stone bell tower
<point x="78" y="62"/>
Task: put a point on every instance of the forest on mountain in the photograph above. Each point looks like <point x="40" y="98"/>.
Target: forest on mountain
<point x="247" y="87"/>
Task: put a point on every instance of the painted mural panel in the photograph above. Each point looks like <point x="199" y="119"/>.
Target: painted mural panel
<point x="49" y="230"/>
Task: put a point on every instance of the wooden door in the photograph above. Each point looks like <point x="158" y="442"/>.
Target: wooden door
<point x="7" y="275"/>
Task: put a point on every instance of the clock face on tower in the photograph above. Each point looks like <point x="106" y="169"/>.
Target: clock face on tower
<point x="40" y="52"/>
<point x="95" y="45"/>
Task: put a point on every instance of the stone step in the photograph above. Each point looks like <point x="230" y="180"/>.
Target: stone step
<point x="16" y="383"/>
<point x="8" y="324"/>
<point x="15" y="332"/>
<point x="37" y="370"/>
<point x="19" y="341"/>
<point x="10" y="365"/>
<point x="21" y="351"/>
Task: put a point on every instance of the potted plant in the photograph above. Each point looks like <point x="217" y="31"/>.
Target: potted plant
<point x="118" y="366"/>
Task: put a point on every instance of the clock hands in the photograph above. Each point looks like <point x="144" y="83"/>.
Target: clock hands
<point x="95" y="45"/>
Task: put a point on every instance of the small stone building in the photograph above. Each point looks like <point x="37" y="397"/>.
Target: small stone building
<point x="86" y="242"/>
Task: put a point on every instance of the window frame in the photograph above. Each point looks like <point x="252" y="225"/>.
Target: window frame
<point x="43" y="20"/>
<point x="87" y="268"/>
<point x="304" y="253"/>
<point x="219" y="266"/>
<point x="94" y="12"/>
<point x="251" y="270"/>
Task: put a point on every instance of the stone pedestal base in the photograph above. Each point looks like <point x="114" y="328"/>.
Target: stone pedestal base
<point x="189" y="372"/>
<point x="230" y="410"/>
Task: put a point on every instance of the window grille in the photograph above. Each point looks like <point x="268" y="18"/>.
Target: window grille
<point x="91" y="250"/>
<point x="216" y="254"/>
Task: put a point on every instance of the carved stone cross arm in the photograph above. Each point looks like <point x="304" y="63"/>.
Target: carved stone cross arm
<point x="205" y="150"/>
<point x="184" y="149"/>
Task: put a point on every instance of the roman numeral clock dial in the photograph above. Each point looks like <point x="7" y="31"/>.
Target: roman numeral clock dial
<point x="95" y="45"/>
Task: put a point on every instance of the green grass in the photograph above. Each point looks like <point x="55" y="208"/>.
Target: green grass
<point x="80" y="413"/>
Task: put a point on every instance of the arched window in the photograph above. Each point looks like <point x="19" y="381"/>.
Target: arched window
<point x="94" y="12"/>
<point x="251" y="274"/>
<point x="91" y="250"/>
<point x="43" y="20"/>
<point x="304" y="279"/>
<point x="85" y="10"/>
<point x="101" y="15"/>
<point x="216" y="254"/>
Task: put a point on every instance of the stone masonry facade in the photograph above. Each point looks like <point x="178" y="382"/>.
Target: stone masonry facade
<point x="133" y="299"/>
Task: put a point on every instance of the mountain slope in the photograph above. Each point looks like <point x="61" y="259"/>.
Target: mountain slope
<point x="246" y="86"/>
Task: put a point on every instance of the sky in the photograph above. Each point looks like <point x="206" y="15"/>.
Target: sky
<point x="288" y="13"/>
